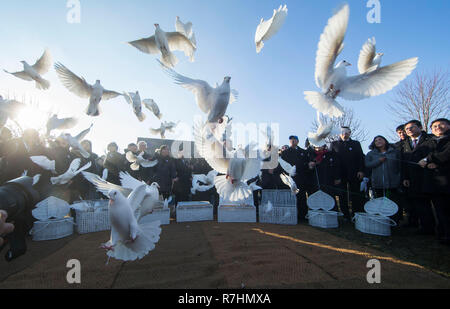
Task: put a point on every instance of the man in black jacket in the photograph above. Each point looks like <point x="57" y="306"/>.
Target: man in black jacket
<point x="436" y="167"/>
<point x="351" y="158"/>
<point x="413" y="177"/>
<point x="294" y="155"/>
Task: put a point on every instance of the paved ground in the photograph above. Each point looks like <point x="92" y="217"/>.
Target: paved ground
<point x="218" y="255"/>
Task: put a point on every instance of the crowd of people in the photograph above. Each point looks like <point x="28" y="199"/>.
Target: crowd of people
<point x="413" y="172"/>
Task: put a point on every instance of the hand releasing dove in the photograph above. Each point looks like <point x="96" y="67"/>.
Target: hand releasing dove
<point x="74" y="170"/>
<point x="333" y="80"/>
<point x="129" y="239"/>
<point x="95" y="93"/>
<point x="207" y="180"/>
<point x="169" y="126"/>
<point x="134" y="99"/>
<point x="267" y="29"/>
<point x="153" y="107"/>
<point x="54" y="123"/>
<point x="137" y="161"/>
<point x="212" y="101"/>
<point x="186" y="30"/>
<point x="34" y="72"/>
<point x="74" y="142"/>
<point x="237" y="167"/>
<point x="164" y="43"/>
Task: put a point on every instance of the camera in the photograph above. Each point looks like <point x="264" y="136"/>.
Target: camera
<point x="18" y="198"/>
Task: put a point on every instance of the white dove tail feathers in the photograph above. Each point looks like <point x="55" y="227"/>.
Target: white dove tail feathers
<point x="141" y="117"/>
<point x="232" y="192"/>
<point x="42" y="84"/>
<point x="145" y="242"/>
<point x="324" y="104"/>
<point x="169" y="59"/>
<point x="259" y="46"/>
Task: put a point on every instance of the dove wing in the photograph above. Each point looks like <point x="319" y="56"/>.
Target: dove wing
<point x="103" y="186"/>
<point x="252" y="168"/>
<point x="366" y="56"/>
<point x="83" y="134"/>
<point x="330" y="45"/>
<point x="75" y="165"/>
<point x="72" y="82"/>
<point x="21" y="75"/>
<point x="275" y="23"/>
<point x="286" y="166"/>
<point x="178" y="41"/>
<point x="130" y="157"/>
<point x="42" y="66"/>
<point x="234" y="95"/>
<point x="43" y="162"/>
<point x="377" y="82"/>
<point x="129" y="181"/>
<point x="285" y="179"/>
<point x="109" y="94"/>
<point x="147" y="45"/>
<point x="137" y="196"/>
<point x="66" y="123"/>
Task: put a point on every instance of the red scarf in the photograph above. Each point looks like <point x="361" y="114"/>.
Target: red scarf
<point x="319" y="155"/>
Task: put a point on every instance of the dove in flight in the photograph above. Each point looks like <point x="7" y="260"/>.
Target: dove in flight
<point x="74" y="170"/>
<point x="236" y="166"/>
<point x="55" y="123"/>
<point x="74" y="141"/>
<point x="267" y="29"/>
<point x="318" y="139"/>
<point x="45" y="163"/>
<point x="137" y="161"/>
<point x="165" y="126"/>
<point x="207" y="180"/>
<point x="78" y="85"/>
<point x="164" y="43"/>
<point x="288" y="168"/>
<point x="151" y="105"/>
<point x="34" y="72"/>
<point x="186" y="30"/>
<point x="134" y="99"/>
<point x="289" y="181"/>
<point x="129" y="240"/>
<point x="9" y="109"/>
<point x="212" y="101"/>
<point x="369" y="60"/>
<point x="333" y="80"/>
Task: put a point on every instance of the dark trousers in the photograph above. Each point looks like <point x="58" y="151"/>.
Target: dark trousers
<point x="302" y="208"/>
<point x="441" y="204"/>
<point x="425" y="214"/>
<point x="350" y="192"/>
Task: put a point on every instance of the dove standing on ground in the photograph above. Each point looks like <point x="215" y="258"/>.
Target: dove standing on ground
<point x="74" y="142"/>
<point x="267" y="29"/>
<point x="74" y="170"/>
<point x="95" y="93"/>
<point x="137" y="161"/>
<point x="333" y="80"/>
<point x="153" y="107"/>
<point x="237" y="167"/>
<point x="212" y="101"/>
<point x="54" y="123"/>
<point x="9" y="109"/>
<point x="129" y="239"/>
<point x="164" y="43"/>
<point x="134" y="99"/>
<point x="35" y="71"/>
<point x="45" y="163"/>
<point x="186" y="30"/>
<point x="169" y="126"/>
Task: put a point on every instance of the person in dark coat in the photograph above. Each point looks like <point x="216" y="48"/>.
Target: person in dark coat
<point x="384" y="162"/>
<point x="436" y="167"/>
<point x="165" y="172"/>
<point x="401" y="135"/>
<point x="183" y="181"/>
<point x="297" y="156"/>
<point x="351" y="158"/>
<point x="413" y="177"/>
<point x="324" y="167"/>
<point x="114" y="163"/>
<point x="270" y="178"/>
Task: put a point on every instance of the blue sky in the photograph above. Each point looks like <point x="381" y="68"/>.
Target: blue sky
<point x="270" y="84"/>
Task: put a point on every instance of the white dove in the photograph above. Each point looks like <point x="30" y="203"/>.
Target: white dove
<point x="45" y="163"/>
<point x="288" y="168"/>
<point x="54" y="123"/>
<point x="164" y="43"/>
<point x="137" y="161"/>
<point x="134" y="99"/>
<point x="289" y="181"/>
<point x="34" y="72"/>
<point x="150" y="199"/>
<point x="318" y="139"/>
<point x="254" y="186"/>
<point x="267" y="29"/>
<point x="74" y="170"/>
<point x="35" y="178"/>
<point x="268" y="207"/>
<point x="212" y="101"/>
<point x="169" y="126"/>
<point x="74" y="142"/>
<point x="333" y="80"/>
<point x="236" y="167"/>
<point x="129" y="239"/>
<point x="369" y="60"/>
<point x="186" y="30"/>
<point x="95" y="93"/>
<point x="9" y="109"/>
<point x="208" y="181"/>
<point x="153" y="107"/>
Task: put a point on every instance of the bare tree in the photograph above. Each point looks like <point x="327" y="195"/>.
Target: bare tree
<point x="359" y="133"/>
<point x="425" y="98"/>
